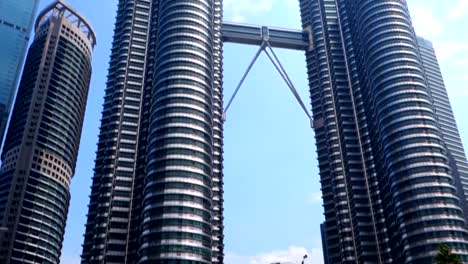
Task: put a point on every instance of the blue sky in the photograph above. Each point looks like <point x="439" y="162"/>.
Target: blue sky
<point x="272" y="192"/>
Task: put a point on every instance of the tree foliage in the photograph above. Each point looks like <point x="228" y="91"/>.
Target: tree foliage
<point x="445" y="256"/>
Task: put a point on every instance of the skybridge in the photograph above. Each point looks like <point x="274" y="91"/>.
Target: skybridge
<point x="268" y="38"/>
<point x="256" y="35"/>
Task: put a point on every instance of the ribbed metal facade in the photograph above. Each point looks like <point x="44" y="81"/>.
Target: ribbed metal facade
<point x="217" y="185"/>
<point x="157" y="189"/>
<point x="392" y="184"/>
<point x="352" y="211"/>
<point x="177" y="203"/>
<point x="443" y="109"/>
<point x="41" y="148"/>
<point x="390" y="194"/>
<point x="114" y="191"/>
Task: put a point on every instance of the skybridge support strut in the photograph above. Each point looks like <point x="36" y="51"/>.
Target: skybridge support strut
<point x="279" y="67"/>
<point x="262" y="47"/>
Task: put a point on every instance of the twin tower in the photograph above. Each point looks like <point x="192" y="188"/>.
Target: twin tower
<point x="392" y="167"/>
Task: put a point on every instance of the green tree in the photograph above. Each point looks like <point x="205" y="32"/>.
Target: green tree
<point x="445" y="256"/>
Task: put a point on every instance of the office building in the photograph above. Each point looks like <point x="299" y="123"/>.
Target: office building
<point x="446" y="119"/>
<point x="41" y="147"/>
<point x="16" y="20"/>
<point x="390" y="191"/>
<point x="111" y="234"/>
<point x="157" y="187"/>
<point x="390" y="194"/>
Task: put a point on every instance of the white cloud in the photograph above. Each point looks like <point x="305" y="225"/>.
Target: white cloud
<point x="315" y="198"/>
<point x="291" y="255"/>
<point x="240" y="9"/>
<point x="292" y="3"/>
<point x="238" y="19"/>
<point x="459" y="10"/>
<point x="461" y="62"/>
<point x="448" y="49"/>
<point x="425" y="23"/>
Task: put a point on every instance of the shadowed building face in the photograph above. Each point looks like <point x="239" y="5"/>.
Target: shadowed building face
<point x="39" y="156"/>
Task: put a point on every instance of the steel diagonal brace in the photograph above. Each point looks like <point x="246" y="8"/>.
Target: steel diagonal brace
<point x="262" y="47"/>
<point x="279" y="67"/>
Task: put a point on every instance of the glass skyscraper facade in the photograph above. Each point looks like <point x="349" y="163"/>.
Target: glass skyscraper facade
<point x="157" y="189"/>
<point x="443" y="109"/>
<point x="393" y="186"/>
<point x="391" y="189"/>
<point x="41" y="147"/>
<point x="16" y="20"/>
<point x="112" y="230"/>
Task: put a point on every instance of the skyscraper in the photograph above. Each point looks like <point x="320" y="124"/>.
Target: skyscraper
<point x="111" y="234"/>
<point x="390" y="191"/>
<point x="443" y="109"/>
<point x="16" y="20"/>
<point x="41" y="147"/>
<point x="390" y="194"/>
<point x="157" y="188"/>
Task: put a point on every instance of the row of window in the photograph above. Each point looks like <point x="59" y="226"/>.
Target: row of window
<point x="155" y="211"/>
